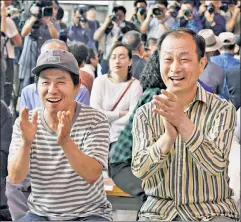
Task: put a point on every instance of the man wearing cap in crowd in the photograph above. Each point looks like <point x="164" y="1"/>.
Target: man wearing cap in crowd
<point x="226" y="58"/>
<point x="212" y="75"/>
<point x="64" y="145"/>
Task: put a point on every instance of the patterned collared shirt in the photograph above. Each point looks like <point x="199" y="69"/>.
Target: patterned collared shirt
<point x="192" y="179"/>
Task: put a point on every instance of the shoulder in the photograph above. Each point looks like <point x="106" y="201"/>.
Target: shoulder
<point x="29" y="89"/>
<point x="219" y="105"/>
<point x="101" y="79"/>
<point x="93" y="114"/>
<point x="83" y="89"/>
<point x="144" y="112"/>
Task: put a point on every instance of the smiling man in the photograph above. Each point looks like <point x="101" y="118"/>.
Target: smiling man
<point x="182" y="139"/>
<point x="64" y="145"/>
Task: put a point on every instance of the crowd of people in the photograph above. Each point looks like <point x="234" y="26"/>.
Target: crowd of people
<point x="153" y="99"/>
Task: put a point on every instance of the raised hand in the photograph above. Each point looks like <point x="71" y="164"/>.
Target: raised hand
<point x="169" y="107"/>
<point x="64" y="127"/>
<point x="28" y="127"/>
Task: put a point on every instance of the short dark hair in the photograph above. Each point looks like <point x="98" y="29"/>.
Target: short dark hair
<point x="120" y="44"/>
<point x="90" y="55"/>
<point x="228" y="47"/>
<point x="132" y="39"/>
<point x="163" y="2"/>
<point x="199" y="40"/>
<point x="139" y="1"/>
<point x="80" y="52"/>
<point x="74" y="77"/>
<point x="119" y="7"/>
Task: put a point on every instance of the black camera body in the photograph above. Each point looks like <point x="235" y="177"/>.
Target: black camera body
<point x="141" y="10"/>
<point x="173" y="10"/>
<point x="210" y="8"/>
<point x="114" y="17"/>
<point x="157" y="11"/>
<point x="83" y="19"/>
<point x="45" y="9"/>
<point x="187" y="12"/>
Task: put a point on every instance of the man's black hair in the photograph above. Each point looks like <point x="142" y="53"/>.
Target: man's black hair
<point x="164" y="2"/>
<point x="139" y="1"/>
<point x="80" y="52"/>
<point x="199" y="40"/>
<point x="119" y="7"/>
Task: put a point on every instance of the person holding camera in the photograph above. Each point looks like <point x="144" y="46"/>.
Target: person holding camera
<point x="211" y="17"/>
<point x="10" y="38"/>
<point x="107" y="34"/>
<point x="79" y="31"/>
<point x="41" y="26"/>
<point x="157" y="20"/>
<point x="233" y="23"/>
<point x="186" y="17"/>
<point x="139" y="13"/>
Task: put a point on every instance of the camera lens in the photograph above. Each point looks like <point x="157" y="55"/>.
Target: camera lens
<point x="157" y="11"/>
<point x="187" y="12"/>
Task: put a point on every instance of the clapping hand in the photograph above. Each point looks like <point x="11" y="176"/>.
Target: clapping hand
<point x="64" y="126"/>
<point x="28" y="127"/>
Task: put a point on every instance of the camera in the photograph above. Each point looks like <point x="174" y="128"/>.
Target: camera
<point x="114" y="17"/>
<point x="173" y="10"/>
<point x="187" y="12"/>
<point x="83" y="19"/>
<point x="45" y="9"/>
<point x="210" y="8"/>
<point x="142" y="11"/>
<point x="157" y="11"/>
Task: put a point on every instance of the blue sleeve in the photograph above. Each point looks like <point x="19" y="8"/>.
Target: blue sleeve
<point x="24" y="101"/>
<point x="83" y="96"/>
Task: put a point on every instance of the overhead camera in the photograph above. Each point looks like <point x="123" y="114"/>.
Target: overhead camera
<point x="187" y="12"/>
<point x="210" y="8"/>
<point x="157" y="11"/>
<point x="141" y="10"/>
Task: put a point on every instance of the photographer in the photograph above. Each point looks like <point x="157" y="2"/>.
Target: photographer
<point x="186" y="17"/>
<point x="211" y="17"/>
<point x="40" y="27"/>
<point x="113" y="27"/>
<point x="79" y="31"/>
<point x="233" y="23"/>
<point x="157" y="20"/>
<point x="139" y="13"/>
<point x="11" y="40"/>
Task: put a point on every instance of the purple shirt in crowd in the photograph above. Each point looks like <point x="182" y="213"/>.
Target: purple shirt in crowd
<point x="30" y="97"/>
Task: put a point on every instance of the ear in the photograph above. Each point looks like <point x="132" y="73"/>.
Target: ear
<point x="202" y="64"/>
<point x="130" y="63"/>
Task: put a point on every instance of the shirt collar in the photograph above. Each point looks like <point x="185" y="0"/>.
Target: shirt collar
<point x="201" y="95"/>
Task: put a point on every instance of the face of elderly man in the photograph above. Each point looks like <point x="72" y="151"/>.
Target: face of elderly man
<point x="179" y="63"/>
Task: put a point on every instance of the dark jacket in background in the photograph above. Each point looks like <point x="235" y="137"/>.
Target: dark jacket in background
<point x="233" y="84"/>
<point x="138" y="65"/>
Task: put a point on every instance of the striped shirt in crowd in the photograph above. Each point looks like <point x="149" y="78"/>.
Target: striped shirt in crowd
<point x="192" y="179"/>
<point x="58" y="192"/>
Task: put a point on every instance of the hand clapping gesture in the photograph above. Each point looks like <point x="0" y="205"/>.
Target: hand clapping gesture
<point x="64" y="127"/>
<point x="28" y="127"/>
